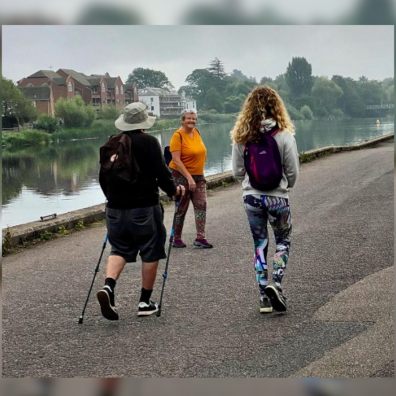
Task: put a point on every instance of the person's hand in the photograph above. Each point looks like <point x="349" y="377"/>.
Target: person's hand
<point x="180" y="191"/>
<point x="191" y="184"/>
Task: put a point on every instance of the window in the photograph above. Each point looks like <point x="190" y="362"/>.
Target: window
<point x="69" y="87"/>
<point x="152" y="100"/>
<point x="152" y="108"/>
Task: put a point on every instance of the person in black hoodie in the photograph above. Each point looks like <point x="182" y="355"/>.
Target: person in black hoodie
<point x="134" y="215"/>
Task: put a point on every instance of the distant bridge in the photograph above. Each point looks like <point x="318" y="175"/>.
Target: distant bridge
<point x="385" y="106"/>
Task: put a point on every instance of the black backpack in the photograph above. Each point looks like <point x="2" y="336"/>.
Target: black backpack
<point x="117" y="160"/>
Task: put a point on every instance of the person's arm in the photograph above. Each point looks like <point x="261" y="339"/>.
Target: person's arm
<point x="238" y="164"/>
<point x="183" y="170"/>
<point x="103" y="183"/>
<point x="291" y="159"/>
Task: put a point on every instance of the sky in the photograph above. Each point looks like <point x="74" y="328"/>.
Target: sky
<point x="171" y="11"/>
<point x="258" y="51"/>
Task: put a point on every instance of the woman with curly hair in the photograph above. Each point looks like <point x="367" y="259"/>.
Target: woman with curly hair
<point x="264" y="113"/>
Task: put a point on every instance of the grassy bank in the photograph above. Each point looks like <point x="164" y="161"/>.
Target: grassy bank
<point x="25" y="138"/>
<point x="29" y="137"/>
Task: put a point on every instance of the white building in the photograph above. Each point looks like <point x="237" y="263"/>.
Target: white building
<point x="165" y="104"/>
<point x="151" y="97"/>
<point x="189" y="103"/>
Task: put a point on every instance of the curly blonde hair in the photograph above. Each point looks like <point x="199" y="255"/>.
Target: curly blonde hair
<point x="261" y="103"/>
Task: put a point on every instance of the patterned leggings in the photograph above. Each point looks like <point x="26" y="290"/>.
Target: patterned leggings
<point x="198" y="198"/>
<point x="260" y="209"/>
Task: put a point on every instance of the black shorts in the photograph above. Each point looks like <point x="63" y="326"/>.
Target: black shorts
<point x="138" y="230"/>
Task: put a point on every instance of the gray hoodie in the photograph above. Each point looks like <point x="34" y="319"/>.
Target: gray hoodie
<point x="290" y="162"/>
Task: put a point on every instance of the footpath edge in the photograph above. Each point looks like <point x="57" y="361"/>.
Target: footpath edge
<point x="21" y="235"/>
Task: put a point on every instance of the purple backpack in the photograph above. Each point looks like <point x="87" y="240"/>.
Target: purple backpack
<point x="263" y="162"/>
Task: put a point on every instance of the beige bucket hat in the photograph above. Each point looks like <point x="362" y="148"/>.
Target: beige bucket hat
<point x="134" y="116"/>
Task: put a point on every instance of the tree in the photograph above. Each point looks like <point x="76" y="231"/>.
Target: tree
<point x="370" y="91"/>
<point x="368" y="12"/>
<point x="199" y="82"/>
<point x="388" y="87"/>
<point x="233" y="104"/>
<point x="325" y="93"/>
<point x="216" y="67"/>
<point x="213" y="100"/>
<point x="351" y="103"/>
<point x="101" y="14"/>
<point x="74" y="112"/>
<point x="238" y="75"/>
<point x="144" y="78"/>
<point x="306" y="112"/>
<point x="299" y="77"/>
<point x="236" y="87"/>
<point x="14" y="104"/>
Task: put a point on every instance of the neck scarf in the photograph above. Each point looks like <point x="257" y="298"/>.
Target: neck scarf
<point x="267" y="124"/>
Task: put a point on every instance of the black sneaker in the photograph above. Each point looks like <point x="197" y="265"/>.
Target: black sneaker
<point x="202" y="244"/>
<point x="265" y="305"/>
<point x="145" y="309"/>
<point x="106" y="300"/>
<point x="278" y="300"/>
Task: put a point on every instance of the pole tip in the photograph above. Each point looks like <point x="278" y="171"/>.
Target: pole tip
<point x="80" y="320"/>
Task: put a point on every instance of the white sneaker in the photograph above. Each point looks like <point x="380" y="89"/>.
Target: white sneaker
<point x="145" y="309"/>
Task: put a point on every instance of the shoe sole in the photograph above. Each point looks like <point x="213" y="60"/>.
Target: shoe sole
<point x="179" y="247"/>
<point x="203" y="247"/>
<point x="276" y="302"/>
<point x="105" y="306"/>
<point x="147" y="313"/>
<point x="266" y="310"/>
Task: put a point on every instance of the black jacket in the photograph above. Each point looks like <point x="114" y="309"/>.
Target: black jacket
<point x="153" y="174"/>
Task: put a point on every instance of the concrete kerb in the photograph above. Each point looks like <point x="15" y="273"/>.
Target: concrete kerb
<point x="308" y="156"/>
<point x="22" y="235"/>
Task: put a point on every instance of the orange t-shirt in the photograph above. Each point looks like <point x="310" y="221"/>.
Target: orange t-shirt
<point x="192" y="151"/>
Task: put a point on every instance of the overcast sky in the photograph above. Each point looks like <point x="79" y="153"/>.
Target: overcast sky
<point x="257" y="51"/>
<point x="168" y="12"/>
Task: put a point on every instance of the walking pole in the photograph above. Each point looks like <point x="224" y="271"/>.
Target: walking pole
<point x="165" y="274"/>
<point x="80" y="320"/>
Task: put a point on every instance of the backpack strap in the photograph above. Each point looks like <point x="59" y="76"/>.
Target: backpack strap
<point x="275" y="131"/>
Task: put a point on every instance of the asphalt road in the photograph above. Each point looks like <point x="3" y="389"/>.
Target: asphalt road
<point x="338" y="283"/>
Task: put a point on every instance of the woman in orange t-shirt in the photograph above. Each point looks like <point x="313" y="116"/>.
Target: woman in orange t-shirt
<point x="187" y="165"/>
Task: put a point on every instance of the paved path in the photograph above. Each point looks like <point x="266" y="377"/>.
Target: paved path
<point x="338" y="283"/>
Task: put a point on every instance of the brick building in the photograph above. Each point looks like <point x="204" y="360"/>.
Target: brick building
<point x="45" y="87"/>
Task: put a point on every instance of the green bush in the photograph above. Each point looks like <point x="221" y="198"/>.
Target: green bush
<point x="306" y="112"/>
<point x="294" y="113"/>
<point x="74" y="112"/>
<point x="108" y="112"/>
<point x="46" y="123"/>
<point x="321" y="112"/>
<point x="338" y="114"/>
<point x="98" y="128"/>
<point x="25" y="138"/>
<point x="211" y="117"/>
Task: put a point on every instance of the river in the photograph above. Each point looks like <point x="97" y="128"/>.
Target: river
<point x="64" y="177"/>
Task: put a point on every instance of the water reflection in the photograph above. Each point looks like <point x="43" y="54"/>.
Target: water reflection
<point x="65" y="169"/>
<point x="63" y="177"/>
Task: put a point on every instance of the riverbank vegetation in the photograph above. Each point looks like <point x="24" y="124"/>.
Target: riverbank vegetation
<point x="219" y="96"/>
<point x="306" y="96"/>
